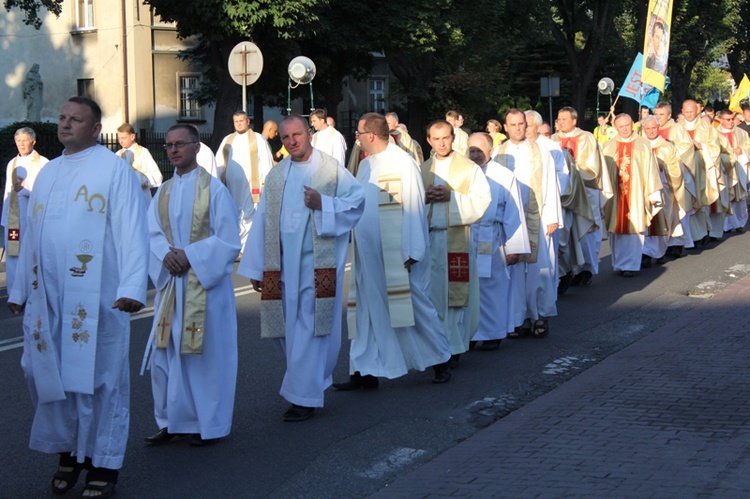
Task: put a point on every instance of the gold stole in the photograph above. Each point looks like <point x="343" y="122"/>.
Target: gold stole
<point x="457" y="236"/>
<point x="254" y="173"/>
<point x="136" y="162"/>
<point x="535" y="202"/>
<point x="391" y="211"/>
<point x="14" y="213"/>
<point x="272" y="322"/>
<point x="194" y="313"/>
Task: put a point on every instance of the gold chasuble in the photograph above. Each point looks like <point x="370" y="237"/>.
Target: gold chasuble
<point x="459" y="179"/>
<point x="588" y="159"/>
<point x="272" y="323"/>
<point x="194" y="312"/>
<point x="14" y="216"/>
<point x="533" y="210"/>
<point x="254" y="179"/>
<point x="633" y="164"/>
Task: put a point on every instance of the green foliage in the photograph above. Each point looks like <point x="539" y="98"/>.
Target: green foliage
<point x="32" y="9"/>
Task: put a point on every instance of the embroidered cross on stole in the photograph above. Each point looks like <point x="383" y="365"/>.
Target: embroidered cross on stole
<point x="194" y="310"/>
<point x="14" y="214"/>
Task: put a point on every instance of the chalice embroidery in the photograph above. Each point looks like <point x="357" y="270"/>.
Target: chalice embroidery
<point x="84" y="257"/>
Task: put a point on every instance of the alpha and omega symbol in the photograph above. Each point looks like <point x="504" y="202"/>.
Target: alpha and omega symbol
<point x="84" y="191"/>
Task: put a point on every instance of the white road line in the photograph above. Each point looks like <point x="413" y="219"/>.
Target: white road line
<point x="144" y="313"/>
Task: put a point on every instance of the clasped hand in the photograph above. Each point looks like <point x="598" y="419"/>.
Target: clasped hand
<point x="176" y="261"/>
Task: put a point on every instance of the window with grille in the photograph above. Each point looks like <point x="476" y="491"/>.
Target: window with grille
<point x="189" y="107"/>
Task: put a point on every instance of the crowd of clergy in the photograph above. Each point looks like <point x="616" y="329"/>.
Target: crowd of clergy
<point x="463" y="249"/>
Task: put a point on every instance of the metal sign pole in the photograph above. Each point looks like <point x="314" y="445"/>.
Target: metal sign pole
<point x="244" y="79"/>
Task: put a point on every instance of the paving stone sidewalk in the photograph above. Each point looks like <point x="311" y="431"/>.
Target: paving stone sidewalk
<point x="666" y="417"/>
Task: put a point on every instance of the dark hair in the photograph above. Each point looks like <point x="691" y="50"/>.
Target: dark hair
<point x="190" y="129"/>
<point x="91" y="104"/>
<point x="376" y="124"/>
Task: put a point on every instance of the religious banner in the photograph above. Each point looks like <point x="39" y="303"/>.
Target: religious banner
<point x="634" y="88"/>
<point x="742" y="93"/>
<point x="656" y="43"/>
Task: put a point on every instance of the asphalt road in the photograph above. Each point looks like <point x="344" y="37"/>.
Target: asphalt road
<point x="362" y="440"/>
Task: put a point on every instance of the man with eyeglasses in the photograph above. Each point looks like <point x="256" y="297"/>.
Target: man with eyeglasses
<point x="193" y="344"/>
<point x="243" y="160"/>
<point x="300" y="238"/>
<point x="393" y="324"/>
<point x="735" y="146"/>
<point x="140" y="159"/>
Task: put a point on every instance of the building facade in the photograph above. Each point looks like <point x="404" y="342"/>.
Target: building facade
<point x="115" y="51"/>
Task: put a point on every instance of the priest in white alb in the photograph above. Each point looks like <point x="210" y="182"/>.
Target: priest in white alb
<point x="193" y="343"/>
<point x="457" y="194"/>
<point x="243" y="161"/>
<point x="498" y="238"/>
<point x="19" y="182"/>
<point x="326" y="138"/>
<point x="82" y="268"/>
<point x="393" y="325"/>
<point x="296" y="256"/>
<point x="534" y="278"/>
<point x="140" y="159"/>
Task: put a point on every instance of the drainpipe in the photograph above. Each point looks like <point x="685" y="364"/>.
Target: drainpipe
<point x="125" y="106"/>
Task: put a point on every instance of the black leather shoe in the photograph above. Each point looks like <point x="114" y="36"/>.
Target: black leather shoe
<point x="298" y="413"/>
<point x="489" y="345"/>
<point x="357" y="381"/>
<point x="161" y="437"/>
<point x="585" y="279"/>
<point x="442" y="373"/>
<point x="197" y="441"/>
<point x="628" y="273"/>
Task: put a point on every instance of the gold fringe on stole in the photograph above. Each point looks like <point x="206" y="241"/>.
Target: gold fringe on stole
<point x="271" y="310"/>
<point x="255" y="185"/>
<point x="324" y="180"/>
<point x="391" y="213"/>
<point x="457" y="237"/>
<point x="194" y="313"/>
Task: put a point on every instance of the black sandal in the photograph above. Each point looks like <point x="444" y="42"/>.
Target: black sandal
<point x="541" y="328"/>
<point x="70" y="477"/>
<point x="107" y="479"/>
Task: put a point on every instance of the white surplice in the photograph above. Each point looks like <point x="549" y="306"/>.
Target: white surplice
<point x="379" y="349"/>
<point x="309" y="359"/>
<point x="87" y="425"/>
<point x="504" y="227"/>
<point x="537" y="281"/>
<point x="195" y="393"/>
<point x="330" y="141"/>
<point x="149" y="172"/>
<point x="24" y="170"/>
<point x="207" y="160"/>
<point x="237" y="175"/>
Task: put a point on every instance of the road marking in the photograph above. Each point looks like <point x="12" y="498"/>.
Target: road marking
<point x="144" y="313"/>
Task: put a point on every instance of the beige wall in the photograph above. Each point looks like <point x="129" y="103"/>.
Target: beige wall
<point x="66" y="54"/>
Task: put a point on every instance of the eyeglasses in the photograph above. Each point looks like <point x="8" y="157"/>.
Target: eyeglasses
<point x="179" y="144"/>
<point x="358" y="133"/>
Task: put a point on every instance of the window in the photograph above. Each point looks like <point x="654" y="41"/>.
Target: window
<point x="85" y="14"/>
<point x="86" y="87"/>
<point x="377" y="95"/>
<point x="189" y="107"/>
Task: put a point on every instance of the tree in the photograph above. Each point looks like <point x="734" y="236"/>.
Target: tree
<point x="31" y="9"/>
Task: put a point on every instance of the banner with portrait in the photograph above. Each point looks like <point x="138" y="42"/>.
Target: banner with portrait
<point x="634" y="88"/>
<point x="656" y="43"/>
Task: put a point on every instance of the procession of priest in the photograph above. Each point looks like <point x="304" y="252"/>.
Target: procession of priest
<point x="461" y="251"/>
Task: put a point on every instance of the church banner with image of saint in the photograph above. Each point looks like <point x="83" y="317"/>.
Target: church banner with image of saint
<point x="656" y="43"/>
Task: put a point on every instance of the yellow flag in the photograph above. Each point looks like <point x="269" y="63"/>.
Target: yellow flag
<point x="656" y="43"/>
<point x="741" y="93"/>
